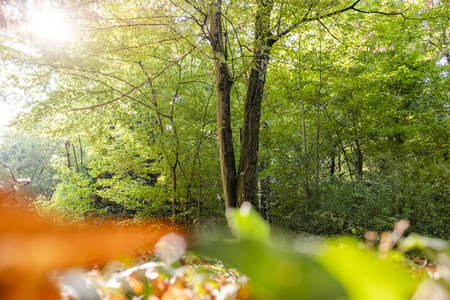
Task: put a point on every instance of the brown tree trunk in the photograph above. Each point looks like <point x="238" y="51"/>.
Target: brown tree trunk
<point x="75" y="156"/>
<point x="247" y="185"/>
<point x="81" y="152"/>
<point x="224" y="84"/>
<point x="173" y="170"/>
<point x="305" y="148"/>
<point x="67" y="145"/>
<point x="242" y="186"/>
<point x="319" y="98"/>
<point x="359" y="159"/>
<point x="248" y="171"/>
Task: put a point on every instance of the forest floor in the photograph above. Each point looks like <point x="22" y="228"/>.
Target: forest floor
<point x="190" y="278"/>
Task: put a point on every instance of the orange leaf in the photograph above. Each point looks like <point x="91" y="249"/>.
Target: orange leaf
<point x="30" y="249"/>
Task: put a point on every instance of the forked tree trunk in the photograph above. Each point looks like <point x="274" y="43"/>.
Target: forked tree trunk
<point x="242" y="186"/>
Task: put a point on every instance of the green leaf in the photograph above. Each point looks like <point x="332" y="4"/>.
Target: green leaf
<point x="246" y="223"/>
<point x="364" y="275"/>
<point x="276" y="271"/>
<point x="424" y="243"/>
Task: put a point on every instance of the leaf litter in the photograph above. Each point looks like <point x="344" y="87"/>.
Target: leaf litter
<point x="188" y="278"/>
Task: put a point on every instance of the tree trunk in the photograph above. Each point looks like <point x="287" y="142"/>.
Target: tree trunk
<point x="199" y="194"/>
<point x="333" y="162"/>
<point x="242" y="186"/>
<point x="248" y="172"/>
<point x="81" y="151"/>
<point x="173" y="171"/>
<point x="75" y="156"/>
<point x="347" y="161"/>
<point x="224" y="84"/>
<point x="305" y="148"/>
<point x="247" y="185"/>
<point x="67" y="145"/>
<point x="359" y="159"/>
<point x="319" y="96"/>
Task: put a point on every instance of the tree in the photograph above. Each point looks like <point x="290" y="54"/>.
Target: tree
<point x="27" y="156"/>
<point x="273" y="21"/>
<point x="138" y="88"/>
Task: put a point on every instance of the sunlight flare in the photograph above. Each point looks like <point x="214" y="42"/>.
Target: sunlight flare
<point x="49" y="25"/>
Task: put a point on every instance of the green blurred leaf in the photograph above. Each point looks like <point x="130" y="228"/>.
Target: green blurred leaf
<point x="364" y="275"/>
<point x="246" y="223"/>
<point x="275" y="271"/>
<point x="436" y="249"/>
<point x="424" y="243"/>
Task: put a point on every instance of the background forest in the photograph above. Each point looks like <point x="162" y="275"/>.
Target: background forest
<point x="125" y="111"/>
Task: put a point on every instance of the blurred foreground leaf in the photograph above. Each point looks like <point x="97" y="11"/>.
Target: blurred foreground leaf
<point x="339" y="269"/>
<point x="276" y="272"/>
<point x="246" y="223"/>
<point x="427" y="244"/>
<point x="364" y="275"/>
<point x="30" y="249"/>
<point x="439" y="251"/>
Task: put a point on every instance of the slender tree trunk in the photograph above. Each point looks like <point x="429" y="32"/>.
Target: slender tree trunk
<point x="333" y="163"/>
<point x="347" y="161"/>
<point x="248" y="171"/>
<point x="173" y="170"/>
<point x="199" y="195"/>
<point x="359" y="159"/>
<point x="224" y="84"/>
<point x="67" y="145"/>
<point x="339" y="160"/>
<point x="81" y="151"/>
<point x="75" y="156"/>
<point x="305" y="149"/>
<point x="319" y="95"/>
<point x="247" y="185"/>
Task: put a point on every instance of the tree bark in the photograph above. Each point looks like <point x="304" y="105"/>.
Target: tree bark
<point x="305" y="148"/>
<point x="224" y="83"/>
<point x="173" y="171"/>
<point x="67" y="145"/>
<point x="81" y="151"/>
<point x="75" y="156"/>
<point x="319" y="98"/>
<point x="359" y="159"/>
<point x="243" y="185"/>
<point x="247" y="185"/>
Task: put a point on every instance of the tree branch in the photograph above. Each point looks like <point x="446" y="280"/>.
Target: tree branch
<point x="306" y="19"/>
<point x="328" y="30"/>
<point x="351" y="7"/>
